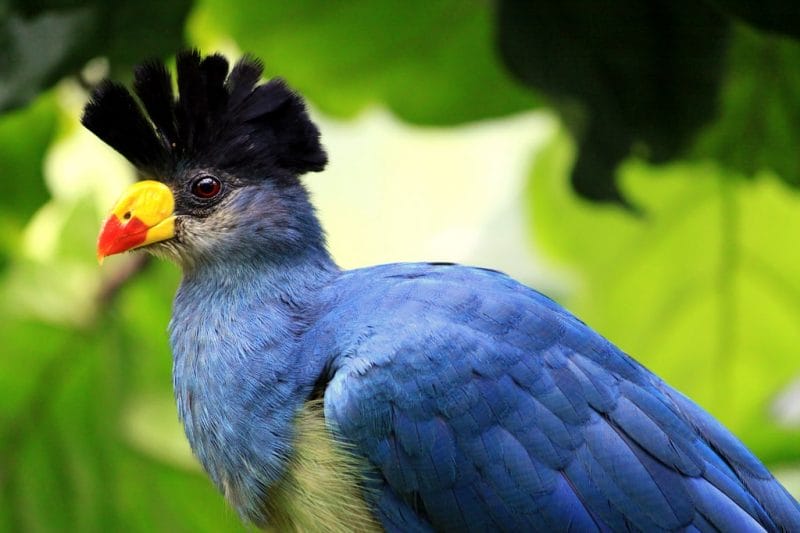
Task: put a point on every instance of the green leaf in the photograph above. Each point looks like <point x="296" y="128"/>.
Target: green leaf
<point x="624" y="75"/>
<point x="431" y="62"/>
<point x="39" y="48"/>
<point x="704" y="289"/>
<point x="45" y="41"/>
<point x="771" y="15"/>
<point x="135" y="30"/>
<point x="24" y="138"/>
<point x="759" y="122"/>
<point x="20" y="376"/>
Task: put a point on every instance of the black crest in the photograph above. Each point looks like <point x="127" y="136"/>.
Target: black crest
<point x="220" y="120"/>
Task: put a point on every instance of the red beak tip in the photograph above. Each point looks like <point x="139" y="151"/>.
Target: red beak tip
<point x="115" y="238"/>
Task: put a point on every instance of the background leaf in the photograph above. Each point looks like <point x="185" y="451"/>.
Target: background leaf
<point x="39" y="47"/>
<point x="758" y="127"/>
<point x="625" y="75"/>
<point x="43" y="41"/>
<point x="430" y="62"/>
<point x="21" y="168"/>
<point x="704" y="289"/>
<point x="770" y="15"/>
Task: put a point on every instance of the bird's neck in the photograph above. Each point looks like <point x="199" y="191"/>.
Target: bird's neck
<point x="297" y="277"/>
<point x="240" y="373"/>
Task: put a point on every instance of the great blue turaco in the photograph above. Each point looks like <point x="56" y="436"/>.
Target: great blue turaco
<point x="403" y="397"/>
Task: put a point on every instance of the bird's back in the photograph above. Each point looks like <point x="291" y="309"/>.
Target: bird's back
<point x="483" y="405"/>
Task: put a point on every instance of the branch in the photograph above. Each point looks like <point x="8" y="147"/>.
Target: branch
<point x="112" y="285"/>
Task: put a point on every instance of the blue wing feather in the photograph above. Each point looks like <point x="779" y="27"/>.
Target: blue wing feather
<point x="483" y="405"/>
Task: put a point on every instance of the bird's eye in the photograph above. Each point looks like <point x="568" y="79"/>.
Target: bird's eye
<point x="206" y="187"/>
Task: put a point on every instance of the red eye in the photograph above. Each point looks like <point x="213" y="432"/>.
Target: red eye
<point x="206" y="187"/>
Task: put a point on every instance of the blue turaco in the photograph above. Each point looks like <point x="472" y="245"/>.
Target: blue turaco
<point x="401" y="397"/>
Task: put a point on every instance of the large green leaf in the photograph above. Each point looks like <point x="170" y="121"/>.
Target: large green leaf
<point x="431" y="62"/>
<point x="46" y="40"/>
<point x="24" y="137"/>
<point x="758" y="127"/>
<point x="704" y="289"/>
<point x="39" y="45"/>
<point x="625" y="75"/>
<point x="771" y="15"/>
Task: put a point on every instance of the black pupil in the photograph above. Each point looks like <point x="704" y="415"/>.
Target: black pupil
<point x="206" y="187"/>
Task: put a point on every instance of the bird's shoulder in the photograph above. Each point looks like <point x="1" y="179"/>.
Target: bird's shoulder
<point x="483" y="403"/>
<point x="432" y="297"/>
<point x="478" y="318"/>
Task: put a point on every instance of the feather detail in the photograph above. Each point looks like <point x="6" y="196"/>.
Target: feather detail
<point x="112" y="107"/>
<point x="322" y="483"/>
<point x="219" y="120"/>
<point x="152" y="83"/>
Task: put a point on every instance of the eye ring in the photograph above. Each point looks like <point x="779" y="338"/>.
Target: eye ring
<point x="206" y="187"/>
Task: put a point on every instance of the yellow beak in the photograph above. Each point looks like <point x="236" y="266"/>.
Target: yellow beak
<point x="142" y="216"/>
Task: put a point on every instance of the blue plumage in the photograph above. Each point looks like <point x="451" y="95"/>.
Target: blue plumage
<point x="457" y="398"/>
<point x="546" y="424"/>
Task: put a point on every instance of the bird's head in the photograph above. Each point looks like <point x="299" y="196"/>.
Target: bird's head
<point x="221" y="162"/>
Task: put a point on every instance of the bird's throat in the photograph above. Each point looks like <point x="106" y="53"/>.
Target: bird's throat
<point x="241" y="375"/>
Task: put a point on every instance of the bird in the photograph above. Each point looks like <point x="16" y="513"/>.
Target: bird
<point x="400" y="397"/>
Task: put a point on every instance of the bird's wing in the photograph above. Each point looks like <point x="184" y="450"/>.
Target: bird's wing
<point x="483" y="405"/>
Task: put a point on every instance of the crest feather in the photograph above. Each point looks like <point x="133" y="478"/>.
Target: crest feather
<point x="113" y="115"/>
<point x="152" y="83"/>
<point x="220" y="120"/>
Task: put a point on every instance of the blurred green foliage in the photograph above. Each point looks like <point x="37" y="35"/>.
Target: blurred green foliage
<point x="429" y="62"/>
<point x="702" y="285"/>
<point x="704" y="288"/>
<point x="624" y="75"/>
<point x="45" y="40"/>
